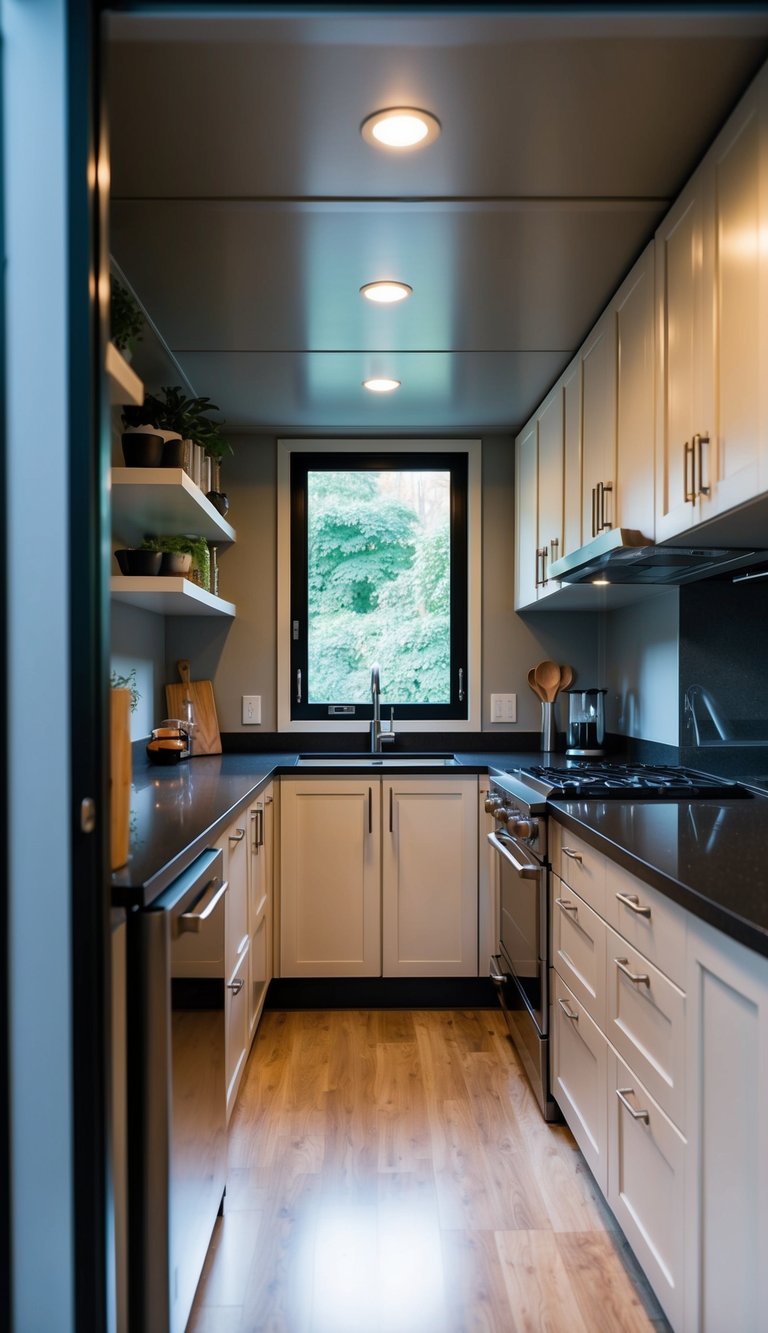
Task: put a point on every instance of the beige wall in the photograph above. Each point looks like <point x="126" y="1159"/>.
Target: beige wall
<point x="240" y="657"/>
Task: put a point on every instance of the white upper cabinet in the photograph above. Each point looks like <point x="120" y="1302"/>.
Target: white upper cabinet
<point x="711" y="311"/>
<point x="539" y="500"/>
<point x="527" y="515"/>
<point x="633" y="310"/>
<point x="598" y="437"/>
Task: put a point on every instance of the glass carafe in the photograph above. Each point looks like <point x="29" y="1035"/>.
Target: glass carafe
<point x="586" y="722"/>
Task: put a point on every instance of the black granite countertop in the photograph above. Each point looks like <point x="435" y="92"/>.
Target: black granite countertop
<point x="177" y="812"/>
<point x="711" y="856"/>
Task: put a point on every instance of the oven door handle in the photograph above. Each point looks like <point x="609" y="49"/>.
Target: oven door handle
<point x="529" y="871"/>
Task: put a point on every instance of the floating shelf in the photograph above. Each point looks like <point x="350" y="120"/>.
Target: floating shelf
<point x="124" y="384"/>
<point x="162" y="501"/>
<point x="169" y="596"/>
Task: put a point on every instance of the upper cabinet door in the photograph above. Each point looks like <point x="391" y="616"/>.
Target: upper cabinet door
<point x="598" y="427"/>
<point x="633" y="308"/>
<point x="572" y="538"/>
<point x="550" y="524"/>
<point x="527" y="563"/>
<point x="711" y="314"/>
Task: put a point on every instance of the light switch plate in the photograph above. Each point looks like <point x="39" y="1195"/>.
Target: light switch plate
<point x="503" y="708"/>
<point x="251" y="709"/>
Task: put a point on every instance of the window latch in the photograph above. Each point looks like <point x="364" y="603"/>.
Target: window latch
<point x="461" y="685"/>
<point x="298" y="686"/>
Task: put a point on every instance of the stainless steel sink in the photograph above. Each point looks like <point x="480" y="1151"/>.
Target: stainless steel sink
<point x="363" y="760"/>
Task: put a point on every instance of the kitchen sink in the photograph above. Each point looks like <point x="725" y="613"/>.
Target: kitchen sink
<point x="368" y="760"/>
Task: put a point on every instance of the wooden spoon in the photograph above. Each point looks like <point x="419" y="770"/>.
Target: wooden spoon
<point x="566" y="676"/>
<point x="534" y="686"/>
<point x="547" y="677"/>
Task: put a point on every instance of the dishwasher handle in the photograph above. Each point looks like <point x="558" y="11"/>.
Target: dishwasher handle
<point x="204" y="906"/>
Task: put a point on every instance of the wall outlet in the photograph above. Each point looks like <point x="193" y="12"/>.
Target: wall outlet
<point x="503" y="708"/>
<point x="251" y="709"/>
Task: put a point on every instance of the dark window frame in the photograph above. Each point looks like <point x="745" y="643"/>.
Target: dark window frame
<point x="455" y="462"/>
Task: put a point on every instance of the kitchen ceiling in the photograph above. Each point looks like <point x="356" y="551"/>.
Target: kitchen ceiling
<point x="247" y="209"/>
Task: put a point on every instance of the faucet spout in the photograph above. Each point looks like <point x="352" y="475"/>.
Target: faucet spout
<point x="376" y="699"/>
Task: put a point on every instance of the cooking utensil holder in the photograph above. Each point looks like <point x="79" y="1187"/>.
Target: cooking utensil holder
<point x="548" y="726"/>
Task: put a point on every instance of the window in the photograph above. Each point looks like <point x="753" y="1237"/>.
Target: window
<point x="379" y="573"/>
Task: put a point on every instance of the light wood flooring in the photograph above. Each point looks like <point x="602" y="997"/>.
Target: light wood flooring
<point x="390" y="1172"/>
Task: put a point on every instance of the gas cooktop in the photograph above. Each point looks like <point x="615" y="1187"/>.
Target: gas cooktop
<point x="604" y="779"/>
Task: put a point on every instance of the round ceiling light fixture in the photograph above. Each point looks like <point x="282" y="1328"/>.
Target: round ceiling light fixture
<point x="380" y="385"/>
<point x="400" y="127"/>
<point x="386" y="292"/>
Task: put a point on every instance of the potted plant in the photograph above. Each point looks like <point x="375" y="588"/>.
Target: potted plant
<point x="176" y="418"/>
<point x="126" y="320"/>
<point x="183" y="555"/>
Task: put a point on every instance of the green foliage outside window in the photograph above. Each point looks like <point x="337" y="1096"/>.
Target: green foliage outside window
<point x="379" y="585"/>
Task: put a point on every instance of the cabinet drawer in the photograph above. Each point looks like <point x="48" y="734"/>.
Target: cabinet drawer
<point x="259" y="970"/>
<point x="236" y="1019"/>
<point x="580" y="866"/>
<point x="646" y="1189"/>
<point x="579" y="1077"/>
<point x="645" y="1015"/>
<point x="651" y="923"/>
<point x="578" y="948"/>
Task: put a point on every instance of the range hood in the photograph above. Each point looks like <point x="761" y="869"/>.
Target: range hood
<point x="622" y="555"/>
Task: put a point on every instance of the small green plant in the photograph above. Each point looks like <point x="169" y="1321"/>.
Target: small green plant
<point x="197" y="547"/>
<point x="189" y="417"/>
<point x="127" y="683"/>
<point x="125" y="318"/>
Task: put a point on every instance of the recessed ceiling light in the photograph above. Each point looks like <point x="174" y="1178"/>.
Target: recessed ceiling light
<point x="381" y="385"/>
<point x="601" y="583"/>
<point x="385" y="293"/>
<point x="400" y="127"/>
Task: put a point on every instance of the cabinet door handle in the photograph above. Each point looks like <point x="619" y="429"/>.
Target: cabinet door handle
<point x="236" y="986"/>
<point x="568" y="1011"/>
<point x="206" y="904"/>
<point x="689" y="492"/>
<point x="544" y="578"/>
<point x="698" y="443"/>
<point x="575" y="856"/>
<point x="370" y="809"/>
<point x="604" y="488"/>
<point x="554" y="547"/>
<point x="237" y="836"/>
<point x="594" y="511"/>
<point x="257" y="816"/>
<point x="632" y="901"/>
<point x="391" y="809"/>
<point x="566" y="905"/>
<point x="637" y="978"/>
<point x="622" y="1094"/>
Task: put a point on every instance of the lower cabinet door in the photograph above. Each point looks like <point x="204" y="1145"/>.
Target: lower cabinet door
<point x="258" y="970"/>
<point x="237" y="1027"/>
<point x="579" y="1078"/>
<point x="646" y="1171"/>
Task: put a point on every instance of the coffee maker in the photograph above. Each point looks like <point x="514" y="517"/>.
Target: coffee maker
<point x="586" y="723"/>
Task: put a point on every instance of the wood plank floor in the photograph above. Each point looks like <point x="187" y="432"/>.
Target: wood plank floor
<point x="389" y="1172"/>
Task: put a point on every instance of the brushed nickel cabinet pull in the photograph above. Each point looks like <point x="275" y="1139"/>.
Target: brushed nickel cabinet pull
<point x="567" y="1011"/>
<point x="575" y="856"/>
<point x="689" y="492"/>
<point x="370" y="809"/>
<point x="632" y="901"/>
<point x="637" y="978"/>
<point x="622" y="1094"/>
<point x="566" y="905"/>
<point x="605" y="488"/>
<point x="391" y="809"/>
<point x="698" y="443"/>
<point x="236" y="986"/>
<point x="237" y="836"/>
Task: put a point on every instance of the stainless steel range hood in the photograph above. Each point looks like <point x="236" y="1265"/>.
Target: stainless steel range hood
<point x="622" y="555"/>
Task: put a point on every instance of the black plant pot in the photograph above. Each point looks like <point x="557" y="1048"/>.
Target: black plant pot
<point x="219" y="501"/>
<point x="173" y="453"/>
<point x="140" y="449"/>
<point x="138" y="562"/>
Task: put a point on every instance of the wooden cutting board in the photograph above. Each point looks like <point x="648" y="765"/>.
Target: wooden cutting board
<point x="206" y="739"/>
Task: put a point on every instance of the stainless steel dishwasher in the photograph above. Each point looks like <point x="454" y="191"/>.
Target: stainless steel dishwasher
<point x="176" y="1093"/>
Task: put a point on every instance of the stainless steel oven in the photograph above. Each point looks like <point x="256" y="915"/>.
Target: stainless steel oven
<point x="520" y="967"/>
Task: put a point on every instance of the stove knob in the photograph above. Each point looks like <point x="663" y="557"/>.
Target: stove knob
<point x="526" y="828"/>
<point x="504" y="814"/>
<point x="492" y="804"/>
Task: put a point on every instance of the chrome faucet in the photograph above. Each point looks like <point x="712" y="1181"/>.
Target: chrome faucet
<point x="379" y="737"/>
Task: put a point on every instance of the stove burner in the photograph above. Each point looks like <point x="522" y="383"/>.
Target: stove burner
<point x="631" y="781"/>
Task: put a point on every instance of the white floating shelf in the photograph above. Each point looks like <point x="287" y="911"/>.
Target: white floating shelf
<point x="161" y="501"/>
<point x="124" y="384"/>
<point x="168" y="596"/>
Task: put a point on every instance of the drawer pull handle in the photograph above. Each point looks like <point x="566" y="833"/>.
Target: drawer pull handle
<point x="632" y="901"/>
<point x="237" y="836"/>
<point x="566" y="906"/>
<point x="575" y="856"/>
<point x="236" y="986"/>
<point x="637" y="978"/>
<point x="568" y="1012"/>
<point x="622" y="1094"/>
